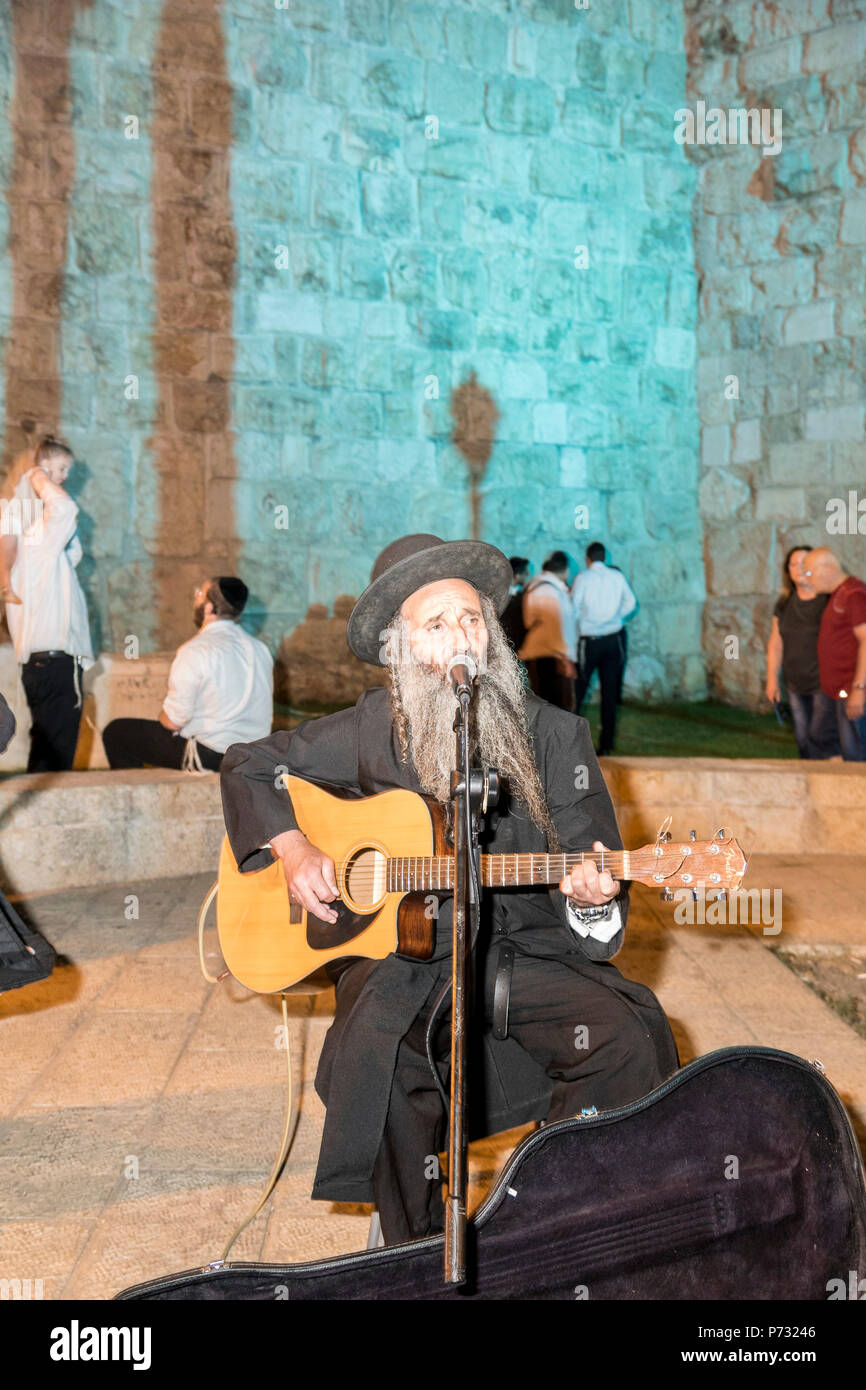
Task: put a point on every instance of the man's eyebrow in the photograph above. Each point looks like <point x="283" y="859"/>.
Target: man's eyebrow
<point x="466" y="608"/>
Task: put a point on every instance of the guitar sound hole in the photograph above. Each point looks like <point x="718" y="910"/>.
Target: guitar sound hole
<point x="365" y="878"/>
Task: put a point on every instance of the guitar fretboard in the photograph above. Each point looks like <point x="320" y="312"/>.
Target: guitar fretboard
<point x="421" y="874"/>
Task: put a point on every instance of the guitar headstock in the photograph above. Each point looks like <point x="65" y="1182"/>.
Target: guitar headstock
<point x="718" y="863"/>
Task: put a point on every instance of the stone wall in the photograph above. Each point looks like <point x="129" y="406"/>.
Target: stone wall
<point x="780" y="244"/>
<point x="255" y="248"/>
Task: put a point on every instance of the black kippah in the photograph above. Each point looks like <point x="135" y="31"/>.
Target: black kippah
<point x="234" y="591"/>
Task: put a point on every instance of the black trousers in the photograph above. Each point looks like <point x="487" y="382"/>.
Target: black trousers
<point x="590" y="1040"/>
<point x="137" y="742"/>
<point x="549" y="684"/>
<point x="607" y="656"/>
<point x="49" y="684"/>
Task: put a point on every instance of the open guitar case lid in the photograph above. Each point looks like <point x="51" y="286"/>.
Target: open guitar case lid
<point x="738" y="1178"/>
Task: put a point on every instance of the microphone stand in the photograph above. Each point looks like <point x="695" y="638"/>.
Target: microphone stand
<point x="469" y="794"/>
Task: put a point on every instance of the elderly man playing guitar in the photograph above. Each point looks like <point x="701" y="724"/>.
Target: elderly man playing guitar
<point x="555" y="1026"/>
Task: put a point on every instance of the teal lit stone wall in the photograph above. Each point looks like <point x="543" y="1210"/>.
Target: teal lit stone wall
<point x="780" y="246"/>
<point x="429" y="170"/>
<point x="332" y="214"/>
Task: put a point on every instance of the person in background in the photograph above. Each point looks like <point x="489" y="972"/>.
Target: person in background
<point x="602" y="599"/>
<point x="792" y="651"/>
<point x="842" y="647"/>
<point x="549" y="648"/>
<point x="45" y="607"/>
<point x="512" y="618"/>
<point x="220" y="691"/>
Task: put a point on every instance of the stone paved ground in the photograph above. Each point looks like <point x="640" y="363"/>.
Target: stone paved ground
<point x="141" y="1108"/>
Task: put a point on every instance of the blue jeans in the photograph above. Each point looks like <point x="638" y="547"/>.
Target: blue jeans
<point x="852" y="735"/>
<point x="815" y="727"/>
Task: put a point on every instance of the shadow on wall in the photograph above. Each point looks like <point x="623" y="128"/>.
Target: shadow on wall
<point x="314" y="663"/>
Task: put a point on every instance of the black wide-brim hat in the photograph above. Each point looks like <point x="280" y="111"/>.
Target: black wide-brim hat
<point x="407" y="565"/>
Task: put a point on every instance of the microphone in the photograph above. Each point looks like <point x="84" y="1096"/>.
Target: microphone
<point x="462" y="670"/>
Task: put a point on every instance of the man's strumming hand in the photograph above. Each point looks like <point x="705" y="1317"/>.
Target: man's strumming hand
<point x="309" y="873"/>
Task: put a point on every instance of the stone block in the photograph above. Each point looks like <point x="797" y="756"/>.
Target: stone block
<point x="326" y="364"/>
<point x="591" y="117"/>
<point x="715" y="446"/>
<point x="457" y="152"/>
<point x="272" y="410"/>
<point x="384" y="322"/>
<point x="810" y="166"/>
<point x="781" y="504"/>
<point x="513" y="465"/>
<point x="852" y="229"/>
<point x="772" y="63"/>
<point x="355" y="413"/>
<point x="454" y="95"/>
<point x="674" y="347"/>
<point x="839" y="422"/>
<point x="372" y="141"/>
<point x="647" y="125"/>
<point x="491" y="220"/>
<point x="440" y="213"/>
<point x="573" y="468"/>
<point x="273" y="189"/>
<point x="387" y="205"/>
<point x="556" y="56"/>
<point x="808" y="229"/>
<point x="799" y="463"/>
<point x="519" y="106"/>
<point x="104" y="237"/>
<point x="723" y="494"/>
<point x="554" y="289"/>
<point x="510" y="282"/>
<point x="476" y="40"/>
<point x="747" y="441"/>
<point x="367" y="20"/>
<point x="587" y="425"/>
<point x="417" y="28"/>
<point x="644" y="289"/>
<point x="835" y="47"/>
<point x="464" y="280"/>
<point x="724" y="181"/>
<point x="290" y="126"/>
<point x="790" y="281"/>
<point x="564" y="171"/>
<point x="334" y="199"/>
<point x="809" y="322"/>
<point x="842" y="271"/>
<point x="396" y="83"/>
<point x="285" y="311"/>
<point x="412" y="274"/>
<point x="362" y="269"/>
<point x="444" y="328"/>
<point x="521" y="51"/>
<point x="550" y="423"/>
<point x="334" y="75"/>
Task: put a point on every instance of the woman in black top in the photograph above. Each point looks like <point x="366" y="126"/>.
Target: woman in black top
<point x="793" y="650"/>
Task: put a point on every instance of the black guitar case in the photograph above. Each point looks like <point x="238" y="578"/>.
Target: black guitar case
<point x="738" y="1178"/>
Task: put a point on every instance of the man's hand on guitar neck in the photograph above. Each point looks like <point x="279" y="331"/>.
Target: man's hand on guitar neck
<point x="309" y="873"/>
<point x="586" y="886"/>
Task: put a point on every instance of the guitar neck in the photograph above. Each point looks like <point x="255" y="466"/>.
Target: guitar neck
<point x="417" y="875"/>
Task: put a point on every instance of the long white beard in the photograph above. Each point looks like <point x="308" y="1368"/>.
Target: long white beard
<point x="424" y="708"/>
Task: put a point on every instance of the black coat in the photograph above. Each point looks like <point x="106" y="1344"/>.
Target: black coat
<point x="357" y="749"/>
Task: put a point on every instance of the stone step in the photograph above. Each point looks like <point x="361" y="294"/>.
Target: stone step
<point x="70" y="829"/>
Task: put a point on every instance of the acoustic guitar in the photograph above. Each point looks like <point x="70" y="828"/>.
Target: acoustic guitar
<point x="391" y="877"/>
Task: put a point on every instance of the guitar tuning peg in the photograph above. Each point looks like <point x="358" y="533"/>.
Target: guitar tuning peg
<point x="693" y="835"/>
<point x="720" y="834"/>
<point x="666" y="895"/>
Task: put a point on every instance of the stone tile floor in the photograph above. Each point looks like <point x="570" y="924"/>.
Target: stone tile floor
<point x="141" y="1108"/>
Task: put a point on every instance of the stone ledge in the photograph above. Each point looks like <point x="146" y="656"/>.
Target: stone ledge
<point x="64" y="830"/>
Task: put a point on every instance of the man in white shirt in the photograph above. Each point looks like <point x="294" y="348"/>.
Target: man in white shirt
<point x="46" y="610"/>
<point x="549" y="647"/>
<point x="601" y="598"/>
<point x="220" y="691"/>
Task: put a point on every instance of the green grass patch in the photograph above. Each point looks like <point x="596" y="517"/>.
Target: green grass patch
<point x="701" y="729"/>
